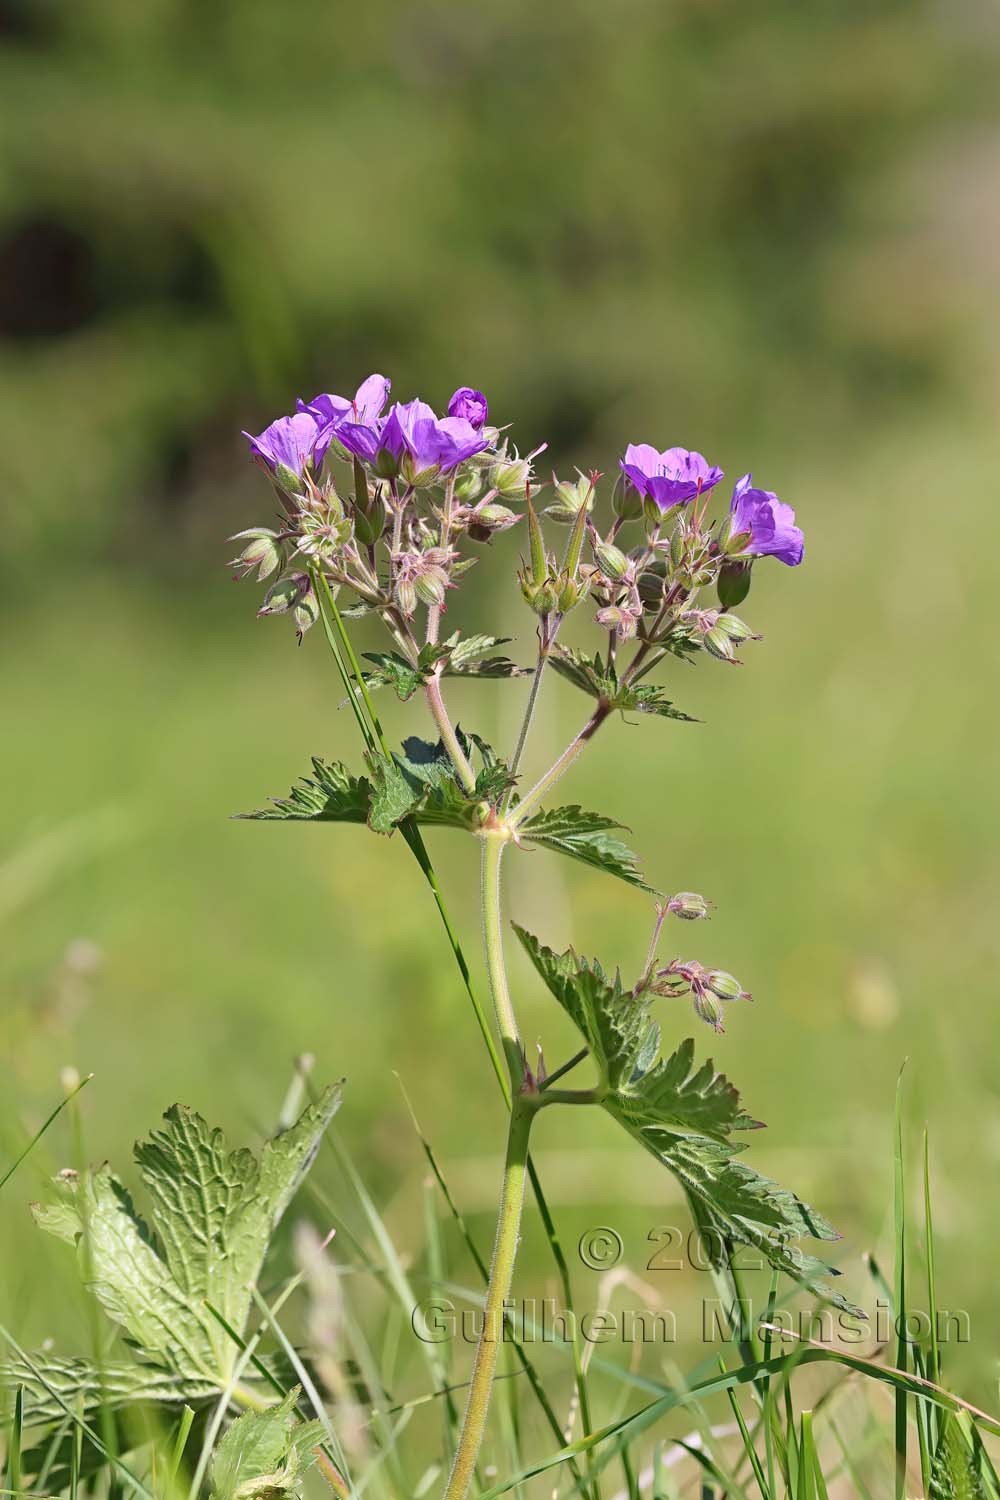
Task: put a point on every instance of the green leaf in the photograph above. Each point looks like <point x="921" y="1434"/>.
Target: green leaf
<point x="214" y="1212"/>
<point x="954" y="1475"/>
<point x="592" y="676"/>
<point x="584" y="836"/>
<point x="461" y="658"/>
<point x="331" y="795"/>
<point x="264" y="1453"/>
<point x="471" y="658"/>
<point x="85" y="1387"/>
<point x="685" y="1116"/>
<point x="393" y="671"/>
<point x="420" y="782"/>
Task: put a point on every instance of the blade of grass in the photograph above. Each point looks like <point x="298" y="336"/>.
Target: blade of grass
<point x="748" y="1446"/>
<point x="41" y="1131"/>
<point x="934" y="1353"/>
<point x="899" y="1226"/>
<point x="180" y="1443"/>
<point x="14" y="1441"/>
<point x="641" y="1420"/>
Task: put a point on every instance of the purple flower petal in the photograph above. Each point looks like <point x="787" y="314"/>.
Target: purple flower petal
<point x="669" y="478"/>
<point x="289" y="441"/>
<point x="769" y="522"/>
<point x="469" y="404"/>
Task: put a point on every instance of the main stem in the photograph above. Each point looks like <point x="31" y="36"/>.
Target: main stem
<point x="522" y="1112"/>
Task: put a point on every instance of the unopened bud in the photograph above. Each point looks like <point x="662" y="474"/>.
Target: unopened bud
<point x="284" y="595"/>
<point x="542" y="597"/>
<point x="495" y="517"/>
<point x="735" y="628"/>
<point x="651" y="584"/>
<point x="261" y="554"/>
<point x="571" y="496"/>
<point x="431" y="586"/>
<point x="733" y="583"/>
<point x="718" y="643"/>
<point x="571" y="591"/>
<point x="305" y="614"/>
<point x="725" y="986"/>
<point x="611" y="560"/>
<point x="688" y="905"/>
<point x="624" y="621"/>
<point x="510" y="478"/>
<point x="708" y="1009"/>
<point x="406" y="597"/>
<point x="469" y="485"/>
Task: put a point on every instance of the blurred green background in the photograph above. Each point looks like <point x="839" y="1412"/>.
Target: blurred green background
<point x="762" y="228"/>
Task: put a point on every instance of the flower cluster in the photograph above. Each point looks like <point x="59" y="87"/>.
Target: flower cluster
<point x="383" y="500"/>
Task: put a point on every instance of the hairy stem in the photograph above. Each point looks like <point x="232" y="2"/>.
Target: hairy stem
<point x="548" y="629"/>
<point x="501" y="1275"/>
<point x="522" y="1112"/>
<point x="531" y="799"/>
<point x="449" y="738"/>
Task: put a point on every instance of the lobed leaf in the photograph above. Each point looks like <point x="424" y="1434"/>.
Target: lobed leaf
<point x="214" y="1212"/>
<point x="331" y="795"/>
<point x="685" y="1116"/>
<point x="587" y="837"/>
<point x="593" y="676"/>
<point x="454" y="657"/>
<point x="264" y="1453"/>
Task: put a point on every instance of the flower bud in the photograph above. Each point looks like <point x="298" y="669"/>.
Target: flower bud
<point x="510" y="478"/>
<point x="495" y="517"/>
<point x="611" y="560"/>
<point x="725" y="986"/>
<point x="615" y="617"/>
<point x="468" y="485"/>
<point x="571" y="497"/>
<point x="571" y="591"/>
<point x="305" y="614"/>
<point x="431" y="586"/>
<point x="651" y="584"/>
<point x="733" y="583"/>
<point x="542" y="597"/>
<point x="262" y="553"/>
<point x="708" y="1009"/>
<point x="718" y="644"/>
<point x="735" y="628"/>
<point x="688" y="905"/>
<point x="285" y="594"/>
<point x="406" y="597"/>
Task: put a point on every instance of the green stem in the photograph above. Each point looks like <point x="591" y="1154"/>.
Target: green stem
<point x="449" y="738"/>
<point x="498" y="1291"/>
<point x="523" y="1108"/>
<point x="547" y="631"/>
<point x="531" y="799"/>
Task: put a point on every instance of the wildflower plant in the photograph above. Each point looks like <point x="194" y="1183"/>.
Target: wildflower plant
<point x="382" y="511"/>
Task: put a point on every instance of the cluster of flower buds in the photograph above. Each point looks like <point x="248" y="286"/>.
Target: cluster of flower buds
<point x="708" y="988"/>
<point x="379" y="498"/>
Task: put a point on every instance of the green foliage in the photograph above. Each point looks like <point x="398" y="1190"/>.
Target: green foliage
<point x="461" y="658"/>
<point x="419" y="783"/>
<point x="214" y="1212"/>
<point x="685" y="1116"/>
<point x="584" y="836"/>
<point x="265" y="1454"/>
<point x="593" y="676"/>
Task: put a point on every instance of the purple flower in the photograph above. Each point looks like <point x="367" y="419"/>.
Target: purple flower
<point x="668" y="478"/>
<point x="769" y="523"/>
<point x="289" y="441"/>
<point x="414" y="438"/>
<point x="470" y="405"/>
<point x="329" y="410"/>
